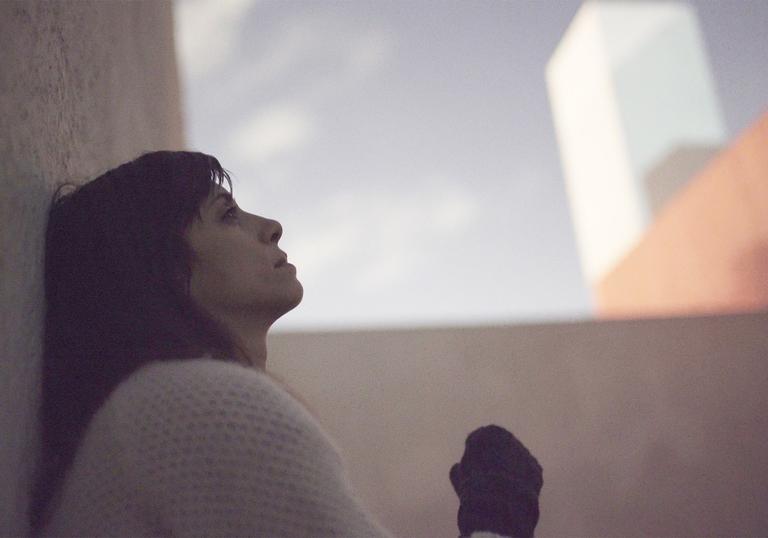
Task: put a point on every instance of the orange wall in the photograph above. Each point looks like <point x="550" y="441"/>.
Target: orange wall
<point x="707" y="251"/>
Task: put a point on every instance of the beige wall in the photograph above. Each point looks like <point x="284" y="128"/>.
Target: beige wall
<point x="652" y="427"/>
<point x="84" y="86"/>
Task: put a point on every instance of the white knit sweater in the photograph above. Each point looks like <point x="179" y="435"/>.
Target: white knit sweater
<point x="209" y="448"/>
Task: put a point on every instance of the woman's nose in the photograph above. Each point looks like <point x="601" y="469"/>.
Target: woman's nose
<point x="273" y="231"/>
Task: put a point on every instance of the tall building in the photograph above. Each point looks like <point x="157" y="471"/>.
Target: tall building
<point x="633" y="101"/>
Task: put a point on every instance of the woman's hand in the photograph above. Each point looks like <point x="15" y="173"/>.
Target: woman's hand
<point x="498" y="482"/>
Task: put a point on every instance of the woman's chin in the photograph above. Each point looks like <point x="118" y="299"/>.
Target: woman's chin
<point x="294" y="299"/>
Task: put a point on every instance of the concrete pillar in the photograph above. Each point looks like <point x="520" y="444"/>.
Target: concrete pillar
<point x="84" y="86"/>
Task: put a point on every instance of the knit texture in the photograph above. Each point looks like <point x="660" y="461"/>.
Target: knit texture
<point x="209" y="448"/>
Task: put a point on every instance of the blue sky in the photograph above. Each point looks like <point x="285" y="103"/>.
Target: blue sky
<point x="408" y="148"/>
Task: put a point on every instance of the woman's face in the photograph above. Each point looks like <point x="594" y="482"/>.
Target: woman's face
<point x="235" y="278"/>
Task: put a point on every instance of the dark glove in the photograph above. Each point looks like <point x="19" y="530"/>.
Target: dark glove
<point x="498" y="482"/>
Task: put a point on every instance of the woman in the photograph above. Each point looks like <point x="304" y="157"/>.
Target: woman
<point x="158" y="416"/>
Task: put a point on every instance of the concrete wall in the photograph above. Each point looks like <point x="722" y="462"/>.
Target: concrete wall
<point x="707" y="252"/>
<point x="84" y="86"/>
<point x="655" y="427"/>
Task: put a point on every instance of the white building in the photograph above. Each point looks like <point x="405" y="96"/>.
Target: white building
<point x="629" y="84"/>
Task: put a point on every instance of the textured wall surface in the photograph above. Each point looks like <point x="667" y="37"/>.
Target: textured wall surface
<point x="84" y="86"/>
<point x="707" y="252"/>
<point x="655" y="427"/>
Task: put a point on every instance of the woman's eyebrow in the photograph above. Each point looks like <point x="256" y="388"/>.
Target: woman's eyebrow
<point x="227" y="196"/>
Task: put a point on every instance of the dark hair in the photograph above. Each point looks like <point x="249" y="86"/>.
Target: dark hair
<point x="117" y="273"/>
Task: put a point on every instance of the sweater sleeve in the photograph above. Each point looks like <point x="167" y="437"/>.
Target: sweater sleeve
<point x="217" y="449"/>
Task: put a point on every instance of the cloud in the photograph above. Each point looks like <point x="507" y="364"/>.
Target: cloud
<point x="274" y="130"/>
<point x="206" y="32"/>
<point x="330" y="242"/>
<point x="319" y="54"/>
<point x="403" y="227"/>
<point x="453" y="210"/>
<point x="353" y="56"/>
<point x="379" y="238"/>
<point x="368" y="52"/>
<point x="276" y="56"/>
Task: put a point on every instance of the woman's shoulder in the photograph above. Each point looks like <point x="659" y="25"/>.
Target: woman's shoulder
<point x="205" y="365"/>
<point x="200" y="381"/>
<point x="204" y="402"/>
<point x="203" y="392"/>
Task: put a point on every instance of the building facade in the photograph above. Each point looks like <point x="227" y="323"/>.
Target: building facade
<point x="707" y="251"/>
<point x="629" y="85"/>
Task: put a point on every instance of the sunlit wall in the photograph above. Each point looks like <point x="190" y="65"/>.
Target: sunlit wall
<point x="707" y="251"/>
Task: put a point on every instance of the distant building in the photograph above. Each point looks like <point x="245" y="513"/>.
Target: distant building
<point x="636" y="115"/>
<point x="707" y="251"/>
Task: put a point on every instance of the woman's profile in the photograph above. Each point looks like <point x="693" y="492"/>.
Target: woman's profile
<point x="158" y="417"/>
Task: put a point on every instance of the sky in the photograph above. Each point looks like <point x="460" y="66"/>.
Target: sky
<point x="408" y="148"/>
